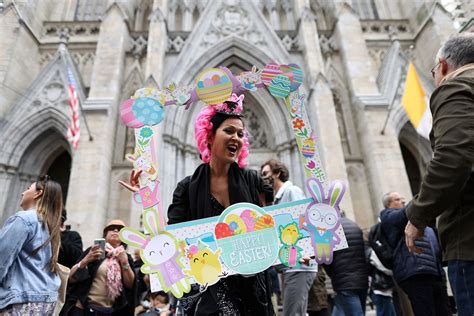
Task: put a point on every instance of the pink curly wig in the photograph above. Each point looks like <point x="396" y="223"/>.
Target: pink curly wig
<point x="203" y="128"/>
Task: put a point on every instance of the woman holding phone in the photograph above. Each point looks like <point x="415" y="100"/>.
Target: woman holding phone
<point x="219" y="182"/>
<point x="102" y="281"/>
<point x="29" y="243"/>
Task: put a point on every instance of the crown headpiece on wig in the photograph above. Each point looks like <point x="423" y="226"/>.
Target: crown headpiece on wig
<point x="232" y="107"/>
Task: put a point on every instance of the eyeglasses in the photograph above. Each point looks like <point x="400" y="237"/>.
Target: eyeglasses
<point x="437" y="65"/>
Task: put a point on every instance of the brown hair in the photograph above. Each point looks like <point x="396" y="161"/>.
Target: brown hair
<point x="49" y="208"/>
<point x="164" y="298"/>
<point x="277" y="167"/>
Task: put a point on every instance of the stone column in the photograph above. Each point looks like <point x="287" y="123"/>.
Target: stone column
<point x="361" y="73"/>
<point x="7" y="179"/>
<point x="157" y="40"/>
<point x="187" y="19"/>
<point x="91" y="167"/>
<point x="18" y="50"/>
<point x="320" y="105"/>
<point x="274" y="17"/>
<point x="381" y="153"/>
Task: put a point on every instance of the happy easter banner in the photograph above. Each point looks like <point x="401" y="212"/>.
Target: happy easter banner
<point x="245" y="239"/>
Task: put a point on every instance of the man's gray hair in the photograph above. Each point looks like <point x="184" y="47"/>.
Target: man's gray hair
<point x="386" y="199"/>
<point x="458" y="50"/>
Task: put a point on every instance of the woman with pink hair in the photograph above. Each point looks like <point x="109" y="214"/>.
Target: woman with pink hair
<point x="215" y="185"/>
<point x="220" y="181"/>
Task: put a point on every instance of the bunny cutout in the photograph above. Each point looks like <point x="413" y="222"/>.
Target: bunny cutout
<point x="297" y="103"/>
<point x="142" y="161"/>
<point x="180" y="94"/>
<point x="322" y="218"/>
<point x="250" y="79"/>
<point x="160" y="254"/>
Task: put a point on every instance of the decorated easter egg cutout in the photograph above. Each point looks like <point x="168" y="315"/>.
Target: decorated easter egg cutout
<point x="127" y="115"/>
<point x="286" y="70"/>
<point x="247" y="237"/>
<point x="297" y="76"/>
<point x="213" y="86"/>
<point x="148" y="111"/>
<point x="308" y="149"/>
<point x="149" y="93"/>
<point x="269" y="72"/>
<point x="280" y="86"/>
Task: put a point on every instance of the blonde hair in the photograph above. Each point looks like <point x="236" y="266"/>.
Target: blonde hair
<point x="49" y="208"/>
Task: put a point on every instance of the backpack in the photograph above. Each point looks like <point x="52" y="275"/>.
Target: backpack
<point x="379" y="244"/>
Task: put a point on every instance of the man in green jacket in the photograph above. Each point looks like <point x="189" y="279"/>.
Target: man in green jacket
<point x="448" y="185"/>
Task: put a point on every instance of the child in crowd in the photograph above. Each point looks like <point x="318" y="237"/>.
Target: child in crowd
<point x="158" y="305"/>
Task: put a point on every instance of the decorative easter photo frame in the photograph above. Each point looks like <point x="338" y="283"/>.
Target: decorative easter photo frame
<point x="245" y="238"/>
<point x="248" y="238"/>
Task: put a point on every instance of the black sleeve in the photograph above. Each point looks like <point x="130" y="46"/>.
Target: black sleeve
<point x="258" y="186"/>
<point x="71" y="248"/>
<point x="178" y="211"/>
<point x="83" y="274"/>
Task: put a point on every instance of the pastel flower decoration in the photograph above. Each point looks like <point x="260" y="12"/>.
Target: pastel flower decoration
<point x="193" y="250"/>
<point x="146" y="132"/>
<point x="233" y="225"/>
<point x="311" y="164"/>
<point x="298" y="123"/>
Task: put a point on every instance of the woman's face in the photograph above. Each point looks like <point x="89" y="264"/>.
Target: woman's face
<point x="29" y="197"/>
<point x="112" y="236"/>
<point x="228" y="140"/>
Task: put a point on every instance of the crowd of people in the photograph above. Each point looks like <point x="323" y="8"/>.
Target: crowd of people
<point x="399" y="265"/>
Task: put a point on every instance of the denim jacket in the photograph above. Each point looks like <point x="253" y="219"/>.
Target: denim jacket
<point x="24" y="276"/>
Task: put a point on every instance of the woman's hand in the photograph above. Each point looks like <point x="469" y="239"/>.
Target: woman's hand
<point x="134" y="185"/>
<point x="122" y="257"/>
<point x="95" y="253"/>
<point x="305" y="260"/>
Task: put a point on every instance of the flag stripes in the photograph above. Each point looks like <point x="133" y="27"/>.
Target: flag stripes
<point x="73" y="131"/>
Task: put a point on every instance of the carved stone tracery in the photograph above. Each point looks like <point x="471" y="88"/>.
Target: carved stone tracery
<point x="73" y="29"/>
<point x="176" y="41"/>
<point x="385" y="26"/>
<point x="232" y="19"/>
<point x="138" y="44"/>
<point x="328" y="43"/>
<point x="253" y="124"/>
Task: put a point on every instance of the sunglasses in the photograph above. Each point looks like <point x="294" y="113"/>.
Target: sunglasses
<point x="113" y="227"/>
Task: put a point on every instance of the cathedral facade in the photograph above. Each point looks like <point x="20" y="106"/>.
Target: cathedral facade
<point x="354" y="55"/>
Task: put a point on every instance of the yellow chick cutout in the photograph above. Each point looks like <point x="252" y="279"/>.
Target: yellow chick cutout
<point x="205" y="266"/>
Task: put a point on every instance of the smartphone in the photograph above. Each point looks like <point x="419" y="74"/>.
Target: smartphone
<point x="101" y="243"/>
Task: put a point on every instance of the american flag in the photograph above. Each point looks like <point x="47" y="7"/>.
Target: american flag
<point x="73" y="131"/>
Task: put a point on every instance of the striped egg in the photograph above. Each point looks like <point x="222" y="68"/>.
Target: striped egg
<point x="280" y="86"/>
<point x="297" y="77"/>
<point x="127" y="115"/>
<point x="308" y="151"/>
<point x="269" y="72"/>
<point x="213" y="86"/>
<point x="286" y="70"/>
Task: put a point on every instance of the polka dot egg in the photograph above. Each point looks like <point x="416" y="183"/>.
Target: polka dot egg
<point x="148" y="111"/>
